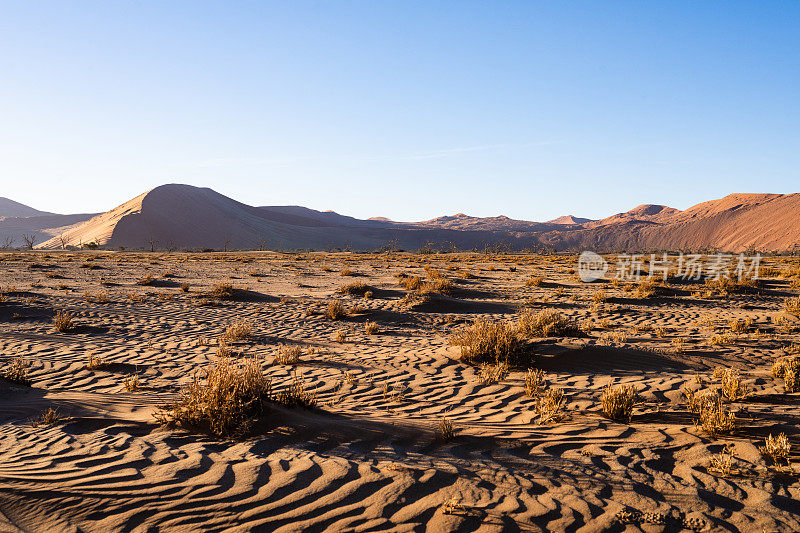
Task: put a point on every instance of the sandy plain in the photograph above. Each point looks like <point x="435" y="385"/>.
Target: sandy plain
<point x="371" y="454"/>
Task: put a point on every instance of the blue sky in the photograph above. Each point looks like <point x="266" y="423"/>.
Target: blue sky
<point x="408" y="110"/>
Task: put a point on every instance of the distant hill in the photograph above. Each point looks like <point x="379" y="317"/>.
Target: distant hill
<point x="183" y="216"/>
<point x="10" y="208"/>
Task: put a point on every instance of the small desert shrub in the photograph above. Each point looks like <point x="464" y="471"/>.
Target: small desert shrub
<point x="721" y="340"/>
<point x="792" y="306"/>
<point x="357" y="309"/>
<point x="489" y="373"/>
<point x="740" y="326"/>
<point x="63" y="322"/>
<point x="445" y="429"/>
<point x="545" y="323"/>
<point x="679" y="344"/>
<point x="347" y="272"/>
<point x="335" y="310"/>
<point x="133" y="383"/>
<point x="487" y="341"/>
<point x="714" y="417"/>
<point x="94" y="362"/>
<point x="732" y="387"/>
<point x="371" y="328"/>
<point x="222" y="291"/>
<point x="411" y="283"/>
<point x="599" y="296"/>
<point x="237" y="331"/>
<point x="96" y="297"/>
<point x="147" y="280"/>
<point x="340" y="336"/>
<point x="534" y="281"/>
<point x="788" y="368"/>
<point x="225" y="402"/>
<point x="722" y="462"/>
<point x="185" y="287"/>
<point x="288" y="355"/>
<point x="550" y="406"/>
<point x="16" y="371"/>
<point x="355" y="288"/>
<point x="296" y="395"/>
<point x="534" y="383"/>
<point x="618" y="402"/>
<point x="49" y="417"/>
<point x="776" y="448"/>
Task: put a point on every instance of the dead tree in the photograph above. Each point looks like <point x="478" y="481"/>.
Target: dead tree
<point x="30" y="240"/>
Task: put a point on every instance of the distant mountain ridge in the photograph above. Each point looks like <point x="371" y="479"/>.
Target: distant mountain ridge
<point x="182" y="216"/>
<point x="10" y="208"/>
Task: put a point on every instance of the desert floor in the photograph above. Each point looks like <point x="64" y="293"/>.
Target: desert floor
<point x="371" y="455"/>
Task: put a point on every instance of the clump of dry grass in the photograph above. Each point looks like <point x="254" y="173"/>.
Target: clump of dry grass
<point x="792" y="306"/>
<point x="63" y="321"/>
<point x="492" y="373"/>
<point x="722" y="462"/>
<point x="545" y="323"/>
<point x="487" y="341"/>
<point x="534" y="383"/>
<point x="347" y="272"/>
<point x="371" y="328"/>
<point x="237" y="331"/>
<point x="732" y="387"/>
<point x="445" y="429"/>
<point x="599" y="296"/>
<point x="617" y="403"/>
<point x="340" y="336"/>
<point x="550" y="405"/>
<point x="49" y="417"/>
<point x="288" y="355"/>
<point x="714" y="419"/>
<point x="16" y="371"/>
<point x="100" y="297"/>
<point x="133" y="383"/>
<point x="534" y="281"/>
<point x="225" y="402"/>
<point x="295" y="395"/>
<point x="335" y="310"/>
<point x="222" y="291"/>
<point x="94" y="362"/>
<point x="356" y="288"/>
<point x="411" y="283"/>
<point x="776" y="448"/>
<point x="146" y="280"/>
<point x="788" y="368"/>
<point x="740" y="325"/>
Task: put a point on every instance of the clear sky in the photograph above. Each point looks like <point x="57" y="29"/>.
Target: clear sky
<point x="402" y="109"/>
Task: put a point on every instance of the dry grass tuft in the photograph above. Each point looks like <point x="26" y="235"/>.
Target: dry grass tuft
<point x="534" y="383"/>
<point x="146" y="280"/>
<point x="94" y="362"/>
<point x="16" y="371"/>
<point x="776" y="448"/>
<point x="715" y="419"/>
<point x="788" y="368"/>
<point x="222" y="291"/>
<point x="238" y="330"/>
<point x="63" y="322"/>
<point x="356" y="288"/>
<point x="545" y="323"/>
<point x="288" y="355"/>
<point x="133" y="383"/>
<point x="722" y="462"/>
<point x="550" y="406"/>
<point x="487" y="341"/>
<point x="792" y="306"/>
<point x="445" y="429"/>
<point x="49" y="417"/>
<point x="618" y="402"/>
<point x="225" y="402"/>
<point x="335" y="310"/>
<point x="489" y="373"/>
<point x="371" y="328"/>
<point x="732" y="387"/>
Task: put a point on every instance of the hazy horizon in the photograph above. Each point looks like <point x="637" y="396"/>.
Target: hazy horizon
<point x="408" y="111"/>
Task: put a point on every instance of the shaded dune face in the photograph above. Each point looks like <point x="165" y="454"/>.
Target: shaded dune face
<point x="183" y="216"/>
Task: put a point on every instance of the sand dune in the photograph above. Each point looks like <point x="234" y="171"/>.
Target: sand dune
<point x="182" y="216"/>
